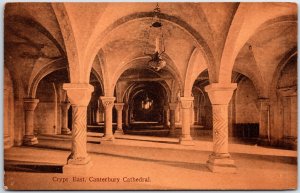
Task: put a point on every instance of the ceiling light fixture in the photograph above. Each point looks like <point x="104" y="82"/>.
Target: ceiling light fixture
<point x="156" y="29"/>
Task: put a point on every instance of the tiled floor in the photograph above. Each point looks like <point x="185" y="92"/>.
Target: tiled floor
<point x="167" y="164"/>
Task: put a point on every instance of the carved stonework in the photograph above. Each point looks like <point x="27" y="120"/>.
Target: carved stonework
<point x="65" y="106"/>
<point x="30" y="104"/>
<point x="107" y="102"/>
<point x="119" y="106"/>
<point x="79" y="96"/>
<point x="186" y="102"/>
<point x="288" y="91"/>
<point x="220" y="129"/>
<point x="220" y="94"/>
<point x="79" y="136"/>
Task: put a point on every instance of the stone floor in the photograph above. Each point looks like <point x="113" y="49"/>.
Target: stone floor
<point x="161" y="161"/>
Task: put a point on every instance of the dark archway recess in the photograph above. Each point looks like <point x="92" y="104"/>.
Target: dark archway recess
<point x="94" y="124"/>
<point x="146" y="109"/>
<point x="203" y="122"/>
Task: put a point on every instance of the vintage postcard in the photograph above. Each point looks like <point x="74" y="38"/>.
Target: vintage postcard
<point x="150" y="96"/>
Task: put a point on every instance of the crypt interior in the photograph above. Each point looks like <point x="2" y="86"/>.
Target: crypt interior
<point x="207" y="90"/>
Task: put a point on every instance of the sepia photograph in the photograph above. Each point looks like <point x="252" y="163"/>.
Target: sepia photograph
<point x="150" y="96"/>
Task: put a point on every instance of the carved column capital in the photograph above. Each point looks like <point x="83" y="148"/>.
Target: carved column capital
<point x="30" y="104"/>
<point x="173" y="106"/>
<point x="263" y="103"/>
<point x="65" y="105"/>
<point x="186" y="102"/>
<point x="107" y="102"/>
<point x="78" y="94"/>
<point x="220" y="94"/>
<point x="288" y="91"/>
<point x="119" y="106"/>
<point x="166" y="107"/>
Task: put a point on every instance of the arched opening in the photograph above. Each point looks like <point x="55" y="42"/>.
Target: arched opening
<point x="95" y="110"/>
<point x="201" y="113"/>
<point x="146" y="97"/>
<point x="146" y="106"/>
<point x="244" y="111"/>
<point x="49" y="113"/>
<point x="287" y="98"/>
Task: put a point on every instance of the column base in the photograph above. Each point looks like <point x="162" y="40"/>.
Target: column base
<point x="186" y="140"/>
<point x="30" y="140"/>
<point x="65" y="131"/>
<point x="221" y="164"/>
<point x="107" y="139"/>
<point x="119" y="132"/>
<point x="78" y="160"/>
<point x="78" y="169"/>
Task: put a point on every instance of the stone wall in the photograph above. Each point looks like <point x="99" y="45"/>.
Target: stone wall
<point x="245" y="102"/>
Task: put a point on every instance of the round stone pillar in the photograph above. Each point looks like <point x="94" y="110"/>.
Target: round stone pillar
<point x="119" y="108"/>
<point x="29" y="107"/>
<point x="166" y="116"/>
<point x="64" y="118"/>
<point x="172" y="107"/>
<point x="220" y="95"/>
<point x="108" y="103"/>
<point x="79" y="96"/>
<point x="186" y="105"/>
<point x="126" y="109"/>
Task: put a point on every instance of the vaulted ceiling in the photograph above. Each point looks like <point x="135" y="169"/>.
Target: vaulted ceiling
<point x="249" y="38"/>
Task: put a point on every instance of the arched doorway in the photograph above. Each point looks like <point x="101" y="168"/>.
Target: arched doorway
<point x="146" y="97"/>
<point x="201" y="122"/>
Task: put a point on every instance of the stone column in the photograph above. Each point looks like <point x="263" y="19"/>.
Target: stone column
<point x="177" y="114"/>
<point x="79" y="96"/>
<point x="192" y="119"/>
<point x="172" y="107"/>
<point x="220" y="95"/>
<point x="119" y="108"/>
<point x="186" y="105"/>
<point x="100" y="111"/>
<point x="29" y="107"/>
<point x="166" y="116"/>
<point x="126" y="108"/>
<point x="64" y="118"/>
<point x="108" y="103"/>
<point x="264" y="111"/>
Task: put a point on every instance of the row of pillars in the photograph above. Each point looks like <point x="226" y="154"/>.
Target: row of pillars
<point x="79" y="96"/>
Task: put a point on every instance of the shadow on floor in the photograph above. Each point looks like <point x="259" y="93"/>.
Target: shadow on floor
<point x="31" y="167"/>
<point x="179" y="164"/>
